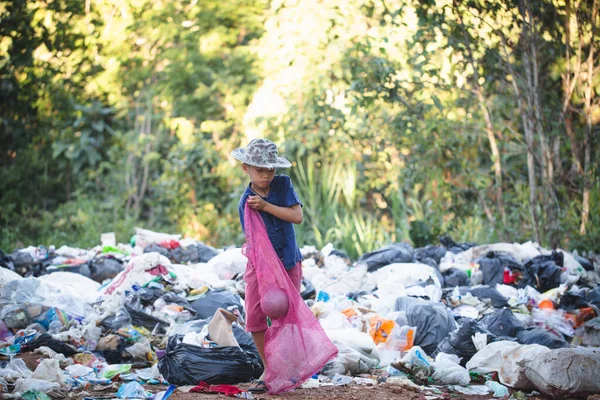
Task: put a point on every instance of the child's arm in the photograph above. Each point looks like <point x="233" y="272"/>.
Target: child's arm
<point x="291" y="214"/>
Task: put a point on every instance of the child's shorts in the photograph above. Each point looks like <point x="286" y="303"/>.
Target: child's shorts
<point x="256" y="320"/>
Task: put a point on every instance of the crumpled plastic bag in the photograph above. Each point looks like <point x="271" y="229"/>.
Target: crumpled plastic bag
<point x="229" y="263"/>
<point x="15" y="369"/>
<point x="49" y="370"/>
<point x="23" y="385"/>
<point x="447" y="370"/>
<point x="504" y="357"/>
<point x="543" y="337"/>
<point x="133" y="390"/>
<point x="432" y="320"/>
<point x="357" y="353"/>
<point x="460" y="342"/>
<point x="394" y="253"/>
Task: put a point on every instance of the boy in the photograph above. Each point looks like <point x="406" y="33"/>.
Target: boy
<point x="276" y="200"/>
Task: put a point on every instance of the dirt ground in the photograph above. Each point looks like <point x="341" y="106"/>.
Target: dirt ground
<point x="384" y="391"/>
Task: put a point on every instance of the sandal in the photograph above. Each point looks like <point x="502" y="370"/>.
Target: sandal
<point x="259" y="387"/>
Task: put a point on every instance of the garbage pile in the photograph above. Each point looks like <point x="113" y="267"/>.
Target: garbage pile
<point x="455" y="317"/>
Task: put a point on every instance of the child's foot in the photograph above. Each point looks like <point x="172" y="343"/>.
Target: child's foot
<point x="258" y="387"/>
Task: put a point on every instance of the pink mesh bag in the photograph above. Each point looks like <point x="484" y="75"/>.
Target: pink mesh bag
<point x="296" y="346"/>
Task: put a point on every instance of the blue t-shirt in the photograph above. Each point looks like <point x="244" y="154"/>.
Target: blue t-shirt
<point x="281" y="233"/>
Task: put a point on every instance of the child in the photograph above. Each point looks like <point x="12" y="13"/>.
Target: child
<point x="276" y="200"/>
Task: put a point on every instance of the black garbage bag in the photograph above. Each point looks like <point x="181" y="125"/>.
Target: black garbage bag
<point x="186" y="364"/>
<point x="573" y="300"/>
<point x="21" y="259"/>
<point x="173" y="298"/>
<point x="156" y="248"/>
<point x="589" y="333"/>
<point x="206" y="306"/>
<point x="81" y="269"/>
<point x="243" y="338"/>
<point x="48" y="341"/>
<point x="339" y="253"/>
<point x="486" y="293"/>
<point x="394" y="253"/>
<point x="543" y="272"/>
<point x="354" y="296"/>
<point x="585" y="263"/>
<point x="145" y="296"/>
<point x="121" y="319"/>
<point x="492" y="266"/>
<point x="309" y="291"/>
<point x="543" y="337"/>
<point x="454" y="247"/>
<point x="433" y="321"/>
<point x="455" y="277"/>
<point x="459" y="342"/>
<point x="106" y="267"/>
<point x="195" y="253"/>
<point x="435" y="253"/>
<point x="431" y="262"/>
<point x="140" y="318"/>
<point x="502" y="323"/>
<point x="6" y="261"/>
<point x="593" y="296"/>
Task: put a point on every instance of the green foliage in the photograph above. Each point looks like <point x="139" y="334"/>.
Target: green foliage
<point x="118" y="114"/>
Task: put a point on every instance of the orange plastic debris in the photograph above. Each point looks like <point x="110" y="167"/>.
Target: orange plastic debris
<point x="380" y="329"/>
<point x="546" y="305"/>
<point x="581" y="316"/>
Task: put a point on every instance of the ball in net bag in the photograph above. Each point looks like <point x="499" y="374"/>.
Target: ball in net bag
<point x="275" y="303"/>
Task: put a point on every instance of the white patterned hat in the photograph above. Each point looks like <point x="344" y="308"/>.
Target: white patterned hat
<point x="261" y="153"/>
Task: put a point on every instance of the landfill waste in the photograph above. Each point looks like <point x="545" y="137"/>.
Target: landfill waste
<point x="565" y="372"/>
<point x="497" y="389"/>
<point x="165" y="310"/>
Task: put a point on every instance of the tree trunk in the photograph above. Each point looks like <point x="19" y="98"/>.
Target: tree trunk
<point x="570" y="79"/>
<point x="585" y="211"/>
<point x="528" y="140"/>
<point x="495" y="154"/>
<point x="489" y="127"/>
<point x="529" y="39"/>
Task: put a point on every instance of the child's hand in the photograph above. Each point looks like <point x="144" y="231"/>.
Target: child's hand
<point x="257" y="203"/>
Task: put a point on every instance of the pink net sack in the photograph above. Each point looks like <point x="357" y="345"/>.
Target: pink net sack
<point x="296" y="346"/>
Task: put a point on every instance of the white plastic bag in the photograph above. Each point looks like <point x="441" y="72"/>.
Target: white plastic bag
<point x="75" y="284"/>
<point x="416" y="357"/>
<point x="49" y="370"/>
<point x="136" y="273"/>
<point x="505" y="357"/>
<point x="489" y="359"/>
<point x="554" y="319"/>
<point x="357" y="353"/>
<point x="23" y="385"/>
<point x="6" y="275"/>
<point x="79" y="370"/>
<point x="15" y="369"/>
<point x="229" y="263"/>
<point x="401" y="339"/>
<point x="447" y="370"/>
<point x="145" y="237"/>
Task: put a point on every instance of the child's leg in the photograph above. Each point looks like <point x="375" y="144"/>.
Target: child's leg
<point x="256" y="320"/>
<point x="259" y="341"/>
